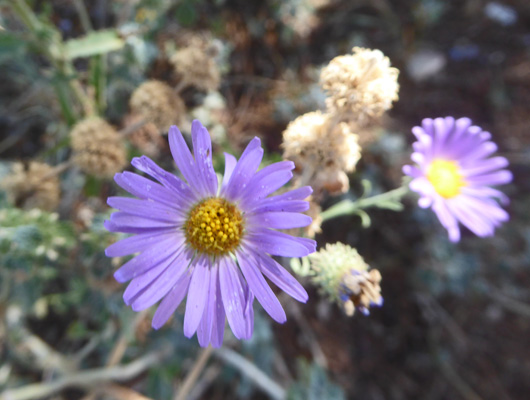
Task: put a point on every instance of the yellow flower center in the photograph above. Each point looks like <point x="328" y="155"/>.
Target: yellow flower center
<point x="446" y="178"/>
<point x="214" y="226"/>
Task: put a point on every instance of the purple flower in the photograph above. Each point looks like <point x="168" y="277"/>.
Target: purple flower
<point x="211" y="243"/>
<point x="454" y="173"/>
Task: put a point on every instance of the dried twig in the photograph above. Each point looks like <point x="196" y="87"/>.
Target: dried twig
<point x="87" y="378"/>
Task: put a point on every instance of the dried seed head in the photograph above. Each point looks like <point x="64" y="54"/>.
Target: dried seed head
<point x="342" y="274"/>
<point x="315" y="139"/>
<point x="361" y="86"/>
<point x="196" y="66"/>
<point x="146" y="138"/>
<point x="323" y="151"/>
<point x="32" y="185"/>
<point x="97" y="148"/>
<point x="158" y="103"/>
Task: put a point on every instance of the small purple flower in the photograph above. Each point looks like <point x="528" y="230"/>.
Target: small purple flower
<point x="211" y="243"/>
<point x="454" y="173"/>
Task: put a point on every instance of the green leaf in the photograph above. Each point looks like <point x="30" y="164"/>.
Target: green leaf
<point x="94" y="43"/>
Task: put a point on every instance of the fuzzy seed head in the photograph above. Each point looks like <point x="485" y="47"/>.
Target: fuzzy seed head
<point x="32" y="185"/>
<point x="196" y="65"/>
<point x="158" y="103"/>
<point x="97" y="148"/>
<point x="360" y="86"/>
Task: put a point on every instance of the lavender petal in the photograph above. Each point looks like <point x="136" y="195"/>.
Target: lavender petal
<point x="260" y="288"/>
<point x="171" y="302"/>
<point x="196" y="296"/>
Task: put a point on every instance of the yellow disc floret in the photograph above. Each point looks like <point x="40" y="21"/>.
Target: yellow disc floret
<point x="446" y="178"/>
<point x="214" y="226"/>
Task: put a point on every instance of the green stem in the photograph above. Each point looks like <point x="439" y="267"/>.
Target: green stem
<point x="348" y="207"/>
<point x="54" y="52"/>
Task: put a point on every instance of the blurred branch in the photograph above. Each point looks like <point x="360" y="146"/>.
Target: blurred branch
<point x="119" y="392"/>
<point x="194" y="373"/>
<point x="87" y="379"/>
<point x="509" y="303"/>
<point x="258" y="377"/>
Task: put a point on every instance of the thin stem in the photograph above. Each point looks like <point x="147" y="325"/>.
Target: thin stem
<point x="87" y="378"/>
<point x="252" y="372"/>
<point x="194" y="374"/>
<point x="83" y="15"/>
<point x="348" y="207"/>
<point x="133" y="127"/>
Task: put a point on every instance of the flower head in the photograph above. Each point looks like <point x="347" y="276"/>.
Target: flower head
<point x="361" y="86"/>
<point x="32" y="185"/>
<point x="454" y="175"/>
<point x="158" y="103"/>
<point x="196" y="65"/>
<point x="209" y="242"/>
<point x="322" y="150"/>
<point x="98" y="149"/>
<point x="343" y="275"/>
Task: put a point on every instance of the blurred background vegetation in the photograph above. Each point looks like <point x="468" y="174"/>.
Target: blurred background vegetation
<point x="456" y="318"/>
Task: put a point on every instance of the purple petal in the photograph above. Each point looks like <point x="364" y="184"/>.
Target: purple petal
<point x="291" y="206"/>
<point x="447" y="220"/>
<point x="280" y="244"/>
<point x="249" y="311"/>
<point x="112" y="227"/>
<point x="230" y="164"/>
<point x="185" y="162"/>
<point x="170" y="303"/>
<point x="261" y="187"/>
<point x="196" y="295"/>
<point x="126" y="220"/>
<point x="233" y="296"/>
<point x="164" y="282"/>
<point x="260" y="288"/>
<point x="205" y="327"/>
<point x="218" y="327"/>
<point x="495" y="178"/>
<point x="149" y="258"/>
<point x="148" y="209"/>
<point x="170" y="181"/>
<point x="139" y="243"/>
<point x="489" y="165"/>
<point x="280" y="277"/>
<point x="244" y="169"/>
<point x="144" y="188"/>
<point x="279" y="220"/>
<point x="296" y="194"/>
<point x="202" y="148"/>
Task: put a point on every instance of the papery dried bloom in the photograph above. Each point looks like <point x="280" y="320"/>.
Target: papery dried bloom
<point x="158" y="103"/>
<point x="361" y="86"/>
<point x="313" y="140"/>
<point x="211" y="243"/>
<point x="146" y="138"/>
<point x="342" y="274"/>
<point x="97" y="148"/>
<point x="32" y="185"/>
<point x="196" y="66"/>
<point x="332" y="180"/>
<point x="454" y="173"/>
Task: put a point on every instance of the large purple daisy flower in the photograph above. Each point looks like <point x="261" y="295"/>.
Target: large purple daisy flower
<point x="454" y="173"/>
<point x="213" y="244"/>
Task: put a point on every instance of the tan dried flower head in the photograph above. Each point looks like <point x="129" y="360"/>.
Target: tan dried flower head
<point x="195" y="65"/>
<point x="342" y="274"/>
<point x="360" y="86"/>
<point x="158" y="103"/>
<point x="32" y="185"/>
<point x="312" y="139"/>
<point x="146" y="138"/>
<point x="98" y="149"/>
